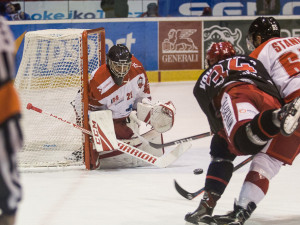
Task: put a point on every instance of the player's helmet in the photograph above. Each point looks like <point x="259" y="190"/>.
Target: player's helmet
<point x="219" y="51"/>
<point x="119" y="62"/>
<point x="266" y="27"/>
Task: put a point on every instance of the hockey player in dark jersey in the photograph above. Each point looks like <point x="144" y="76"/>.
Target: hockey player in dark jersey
<point x="245" y="113"/>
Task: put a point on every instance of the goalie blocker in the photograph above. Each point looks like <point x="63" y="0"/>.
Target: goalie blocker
<point x="159" y="115"/>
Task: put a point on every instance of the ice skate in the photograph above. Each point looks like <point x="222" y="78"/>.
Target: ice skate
<point x="237" y="217"/>
<point x="206" y="207"/>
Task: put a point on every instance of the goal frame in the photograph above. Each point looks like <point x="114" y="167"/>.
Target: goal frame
<point x="102" y="58"/>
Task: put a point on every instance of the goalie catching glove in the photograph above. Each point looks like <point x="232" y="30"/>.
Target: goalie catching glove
<point x="159" y="115"/>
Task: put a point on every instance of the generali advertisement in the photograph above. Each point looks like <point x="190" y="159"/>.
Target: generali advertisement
<point x="180" y="45"/>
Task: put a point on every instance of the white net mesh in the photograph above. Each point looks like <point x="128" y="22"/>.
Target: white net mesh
<point x="50" y="77"/>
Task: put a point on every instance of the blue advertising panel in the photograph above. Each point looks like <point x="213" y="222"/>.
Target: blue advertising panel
<point x="139" y="37"/>
<point x="221" y="7"/>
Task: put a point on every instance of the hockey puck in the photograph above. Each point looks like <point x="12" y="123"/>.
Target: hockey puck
<point x="198" y="171"/>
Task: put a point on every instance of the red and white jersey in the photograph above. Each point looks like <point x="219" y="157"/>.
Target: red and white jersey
<point x="281" y="58"/>
<point x="240" y="103"/>
<point x="104" y="94"/>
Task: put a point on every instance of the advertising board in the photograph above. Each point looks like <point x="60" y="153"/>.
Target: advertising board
<point x="164" y="44"/>
<point x="221" y="8"/>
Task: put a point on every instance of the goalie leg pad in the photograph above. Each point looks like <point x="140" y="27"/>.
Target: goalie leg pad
<point x="103" y="130"/>
<point x="116" y="159"/>
<point x="95" y="161"/>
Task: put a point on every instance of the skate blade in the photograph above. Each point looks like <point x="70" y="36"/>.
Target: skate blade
<point x="196" y="223"/>
<point x="201" y="223"/>
<point x="188" y="223"/>
<point x="208" y="220"/>
<point x="209" y="223"/>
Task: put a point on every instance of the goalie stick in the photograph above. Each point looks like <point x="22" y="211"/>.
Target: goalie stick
<point x="190" y="196"/>
<point x="182" y="140"/>
<point x="161" y="162"/>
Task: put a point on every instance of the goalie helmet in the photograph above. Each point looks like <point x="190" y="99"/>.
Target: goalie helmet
<point x="219" y="51"/>
<point x="265" y="27"/>
<point x="119" y="62"/>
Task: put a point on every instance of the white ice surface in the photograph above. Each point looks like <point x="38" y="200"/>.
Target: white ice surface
<point x="146" y="196"/>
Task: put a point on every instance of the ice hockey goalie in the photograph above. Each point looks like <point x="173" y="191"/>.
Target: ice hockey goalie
<point x="121" y="85"/>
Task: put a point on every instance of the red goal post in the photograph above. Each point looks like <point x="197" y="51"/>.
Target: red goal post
<point x="101" y="30"/>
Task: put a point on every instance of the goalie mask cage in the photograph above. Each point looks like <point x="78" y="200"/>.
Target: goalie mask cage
<point x="53" y="75"/>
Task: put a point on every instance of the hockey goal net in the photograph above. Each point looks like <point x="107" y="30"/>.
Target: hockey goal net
<point x="53" y="73"/>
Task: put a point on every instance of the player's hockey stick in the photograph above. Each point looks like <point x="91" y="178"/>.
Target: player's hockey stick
<point x="161" y="162"/>
<point x="190" y="195"/>
<point x="182" y="140"/>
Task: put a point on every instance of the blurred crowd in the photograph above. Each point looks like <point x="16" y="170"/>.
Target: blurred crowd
<point x="120" y="9"/>
<point x="13" y="11"/>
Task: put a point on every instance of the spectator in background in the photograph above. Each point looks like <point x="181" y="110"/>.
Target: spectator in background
<point x="152" y="10"/>
<point x="108" y="6"/>
<point x="267" y="7"/>
<point x="13" y="12"/>
<point x="207" y="11"/>
<point x="115" y="8"/>
<point x="2" y="8"/>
